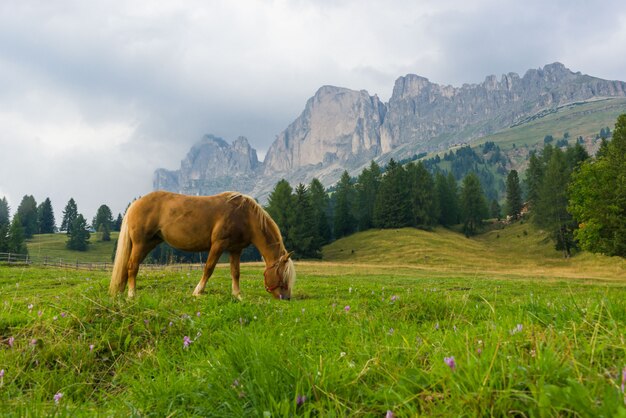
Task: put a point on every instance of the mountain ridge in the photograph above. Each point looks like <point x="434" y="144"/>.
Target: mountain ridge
<point x="343" y="129"/>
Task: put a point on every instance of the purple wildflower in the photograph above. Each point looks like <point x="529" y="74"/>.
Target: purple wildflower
<point x="391" y="330"/>
<point x="394" y="298"/>
<point x="518" y="328"/>
<point x="57" y="397"/>
<point x="170" y="324"/>
<point x="450" y="362"/>
<point x="623" y="380"/>
<point x="91" y="347"/>
<point x="39" y="313"/>
<point x="300" y="400"/>
<point x="198" y="314"/>
<point x="63" y="314"/>
<point x="11" y="341"/>
<point x="33" y="341"/>
<point x="347" y="308"/>
<point x="389" y="414"/>
<point x="437" y="326"/>
<point x="146" y="321"/>
<point x="186" y="341"/>
<point x="1" y="373"/>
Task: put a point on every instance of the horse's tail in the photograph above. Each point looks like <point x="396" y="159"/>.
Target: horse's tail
<point x="119" y="277"/>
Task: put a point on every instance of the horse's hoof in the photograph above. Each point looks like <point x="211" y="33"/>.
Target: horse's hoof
<point x="238" y="298"/>
<point x="196" y="293"/>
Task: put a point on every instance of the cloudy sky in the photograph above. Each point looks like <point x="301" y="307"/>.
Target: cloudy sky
<point x="94" y="95"/>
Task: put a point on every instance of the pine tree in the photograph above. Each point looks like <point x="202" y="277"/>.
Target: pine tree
<point x="422" y="195"/>
<point x="27" y="212"/>
<point x="344" y="198"/>
<point x="78" y="234"/>
<point x="513" y="195"/>
<point x="16" y="239"/>
<point x="534" y="177"/>
<point x="550" y="211"/>
<point x="320" y="203"/>
<point x="69" y="215"/>
<point x="367" y="189"/>
<point x="45" y="217"/>
<point x="5" y="223"/>
<point x="280" y="207"/>
<point x="597" y="197"/>
<point x="303" y="232"/>
<point x="447" y="197"/>
<point x="473" y="204"/>
<point x="103" y="217"/>
<point x="495" y="210"/>
<point x="118" y="223"/>
<point x="393" y="205"/>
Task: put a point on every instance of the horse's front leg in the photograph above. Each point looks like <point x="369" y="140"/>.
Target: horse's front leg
<point x="214" y="255"/>
<point x="234" y="273"/>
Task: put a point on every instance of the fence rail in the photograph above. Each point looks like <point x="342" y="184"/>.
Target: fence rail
<point x="22" y="259"/>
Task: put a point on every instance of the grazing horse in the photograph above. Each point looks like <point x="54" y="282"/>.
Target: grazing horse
<point x="225" y="222"/>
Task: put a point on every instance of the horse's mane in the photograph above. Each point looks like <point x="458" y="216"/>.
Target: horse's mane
<point x="265" y="220"/>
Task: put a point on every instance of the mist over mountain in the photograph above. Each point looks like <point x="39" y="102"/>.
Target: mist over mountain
<point x="342" y="129"/>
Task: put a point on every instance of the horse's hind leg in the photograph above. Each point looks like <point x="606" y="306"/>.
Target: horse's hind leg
<point x="138" y="253"/>
<point x="211" y="261"/>
<point x="234" y="273"/>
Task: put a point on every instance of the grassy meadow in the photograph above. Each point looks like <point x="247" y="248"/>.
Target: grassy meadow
<point x="413" y="322"/>
<point x="53" y="247"/>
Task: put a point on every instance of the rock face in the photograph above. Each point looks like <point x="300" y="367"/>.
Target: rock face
<point x="212" y="166"/>
<point x="342" y="129"/>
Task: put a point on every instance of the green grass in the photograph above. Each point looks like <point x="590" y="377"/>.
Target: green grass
<point x="53" y="246"/>
<point x="407" y="311"/>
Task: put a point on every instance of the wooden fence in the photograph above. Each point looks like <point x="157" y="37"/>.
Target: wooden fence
<point x="22" y="259"/>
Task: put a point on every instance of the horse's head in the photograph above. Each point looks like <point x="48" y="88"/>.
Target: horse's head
<point x="280" y="277"/>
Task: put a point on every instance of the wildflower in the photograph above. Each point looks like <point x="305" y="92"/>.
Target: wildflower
<point x="63" y="314"/>
<point x="186" y="341"/>
<point x="170" y="324"/>
<point x="389" y="414"/>
<point x="33" y="341"/>
<point x="39" y="313"/>
<point x="454" y="328"/>
<point x="347" y="308"/>
<point x="30" y="306"/>
<point x="235" y="383"/>
<point x="302" y="310"/>
<point x="350" y="290"/>
<point x="623" y="380"/>
<point x="146" y="321"/>
<point x="517" y="329"/>
<point x="54" y="318"/>
<point x="342" y="354"/>
<point x="91" y="347"/>
<point x="300" y="400"/>
<point x="57" y="397"/>
<point x="11" y="341"/>
<point x="437" y="326"/>
<point x="1" y="373"/>
<point x="394" y="298"/>
<point x="450" y="362"/>
<point x="198" y="314"/>
<point x="391" y="330"/>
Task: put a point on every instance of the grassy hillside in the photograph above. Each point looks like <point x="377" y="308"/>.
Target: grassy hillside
<point x="53" y="246"/>
<point x="584" y="119"/>
<point x="517" y="250"/>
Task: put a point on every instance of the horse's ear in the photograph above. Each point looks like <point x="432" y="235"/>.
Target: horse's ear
<point x="286" y="257"/>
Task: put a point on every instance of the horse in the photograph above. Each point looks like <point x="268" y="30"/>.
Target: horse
<point x="227" y="221"/>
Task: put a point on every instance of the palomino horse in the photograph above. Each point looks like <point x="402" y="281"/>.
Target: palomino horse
<point x="225" y="222"/>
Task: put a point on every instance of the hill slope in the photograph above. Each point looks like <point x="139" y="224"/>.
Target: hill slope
<point x="517" y="250"/>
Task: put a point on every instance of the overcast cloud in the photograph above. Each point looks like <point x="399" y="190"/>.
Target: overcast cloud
<point x="95" y="95"/>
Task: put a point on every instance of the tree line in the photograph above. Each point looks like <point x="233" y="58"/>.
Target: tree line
<point x="30" y="219"/>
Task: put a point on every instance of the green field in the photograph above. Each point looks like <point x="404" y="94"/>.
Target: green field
<point x="53" y="247"/>
<point x="367" y="332"/>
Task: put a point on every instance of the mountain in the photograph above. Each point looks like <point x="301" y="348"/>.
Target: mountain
<point x="342" y="129"/>
<point x="212" y="166"/>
